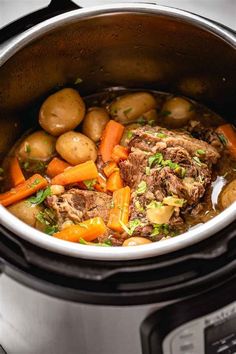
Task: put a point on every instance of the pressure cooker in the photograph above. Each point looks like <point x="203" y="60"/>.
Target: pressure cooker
<point x="174" y="296"/>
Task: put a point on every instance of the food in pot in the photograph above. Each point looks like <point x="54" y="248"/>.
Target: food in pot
<point x="141" y="167"/>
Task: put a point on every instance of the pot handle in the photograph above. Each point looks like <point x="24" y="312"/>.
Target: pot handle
<point x="55" y="8"/>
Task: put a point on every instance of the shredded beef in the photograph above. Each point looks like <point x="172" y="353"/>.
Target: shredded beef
<point x="78" y="205"/>
<point x="188" y="181"/>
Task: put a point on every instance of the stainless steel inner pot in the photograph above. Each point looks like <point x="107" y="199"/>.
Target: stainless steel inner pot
<point x="125" y="45"/>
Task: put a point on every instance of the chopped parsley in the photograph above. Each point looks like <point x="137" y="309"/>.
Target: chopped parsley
<point x="148" y="171"/>
<point x="26" y="165"/>
<point x="142" y="187"/>
<point x="165" y="113"/>
<point x="160" y="135"/>
<point x="35" y="183"/>
<point x="223" y="139"/>
<point x="154" y="205"/>
<point x="200" y="152"/>
<point x="47" y="219"/>
<point x="27" y="148"/>
<point x="160" y="229"/>
<point x="155" y="159"/>
<point x="173" y="201"/>
<point x="141" y="120"/>
<point x="129" y="134"/>
<point x="89" y="183"/>
<point x="127" y="111"/>
<point x="132" y="225"/>
<point x="138" y="206"/>
<point x="40" y="196"/>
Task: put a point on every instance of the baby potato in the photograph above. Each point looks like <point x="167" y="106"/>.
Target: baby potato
<point x="61" y="112"/>
<point x="128" y="108"/>
<point x="76" y="148"/>
<point x="39" y="146"/>
<point x="26" y="211"/>
<point x="136" y="241"/>
<point x="228" y="195"/>
<point x="176" y="112"/>
<point x="94" y="123"/>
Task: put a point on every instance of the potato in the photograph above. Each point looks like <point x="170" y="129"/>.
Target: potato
<point x="128" y="108"/>
<point x="94" y="123"/>
<point x="39" y="146"/>
<point x="61" y="112"/>
<point x="76" y="148"/>
<point x="26" y="211"/>
<point x="160" y="215"/>
<point x="136" y="241"/>
<point x="176" y="112"/>
<point x="228" y="195"/>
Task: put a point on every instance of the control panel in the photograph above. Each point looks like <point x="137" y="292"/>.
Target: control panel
<point x="214" y="333"/>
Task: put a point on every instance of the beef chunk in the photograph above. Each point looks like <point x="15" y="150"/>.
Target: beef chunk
<point x="78" y="205"/>
<point x="183" y="171"/>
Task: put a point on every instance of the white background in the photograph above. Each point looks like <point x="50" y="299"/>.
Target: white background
<point x="223" y="11"/>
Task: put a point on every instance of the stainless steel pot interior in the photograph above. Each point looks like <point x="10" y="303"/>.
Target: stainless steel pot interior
<point x="130" y="45"/>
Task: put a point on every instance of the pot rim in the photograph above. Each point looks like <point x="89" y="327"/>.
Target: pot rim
<point x="44" y="241"/>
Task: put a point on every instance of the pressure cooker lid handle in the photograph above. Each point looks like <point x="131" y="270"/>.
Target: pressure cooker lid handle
<point x="56" y="7"/>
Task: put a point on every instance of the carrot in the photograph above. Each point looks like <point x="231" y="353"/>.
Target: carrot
<point x="56" y="166"/>
<point x="23" y="190"/>
<point x="110" y="167"/>
<point x="15" y="172"/>
<point x="119" y="214"/>
<point x="87" y="230"/>
<point x="111" y="136"/>
<point x="114" y="182"/>
<point x="78" y="173"/>
<point x="101" y="185"/>
<point x="119" y="152"/>
<point x="227" y="135"/>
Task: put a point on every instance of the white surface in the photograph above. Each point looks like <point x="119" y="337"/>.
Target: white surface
<point x="223" y="11"/>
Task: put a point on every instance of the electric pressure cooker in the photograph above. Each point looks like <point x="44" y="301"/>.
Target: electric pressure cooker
<point x="174" y="296"/>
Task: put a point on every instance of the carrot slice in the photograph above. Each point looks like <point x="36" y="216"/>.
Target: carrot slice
<point x="88" y="230"/>
<point x="111" y="136"/>
<point x="101" y="185"/>
<point x="78" y="173"/>
<point x="110" y="167"/>
<point x="227" y="135"/>
<point x="23" y="190"/>
<point x="114" y="182"/>
<point x="15" y="172"/>
<point x="119" y="214"/>
<point x="119" y="152"/>
<point x="56" y="166"/>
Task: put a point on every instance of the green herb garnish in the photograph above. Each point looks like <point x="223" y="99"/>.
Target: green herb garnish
<point x="160" y="229"/>
<point x="160" y="135"/>
<point x="155" y="159"/>
<point x="165" y="113"/>
<point x="127" y="111"/>
<point x="142" y="187"/>
<point x="132" y="225"/>
<point x="27" y="148"/>
<point x="129" y="134"/>
<point x="223" y="139"/>
<point x="200" y="152"/>
<point x="138" y="206"/>
<point x="141" y="120"/>
<point x="89" y="183"/>
<point x="154" y="205"/>
<point x="40" y="196"/>
<point x="47" y="218"/>
<point x="148" y="171"/>
<point x="35" y="183"/>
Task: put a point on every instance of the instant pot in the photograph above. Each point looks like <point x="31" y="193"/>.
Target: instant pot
<point x="176" y="296"/>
